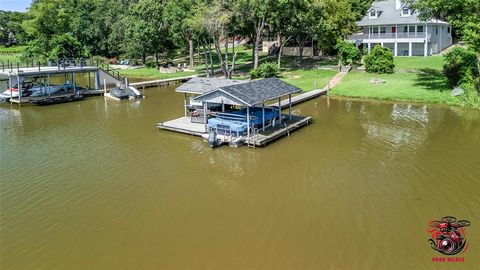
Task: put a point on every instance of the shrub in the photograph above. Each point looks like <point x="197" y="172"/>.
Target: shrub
<point x="265" y="70"/>
<point x="458" y="62"/>
<point x="348" y="54"/>
<point x="379" y="60"/>
<point x="150" y="64"/>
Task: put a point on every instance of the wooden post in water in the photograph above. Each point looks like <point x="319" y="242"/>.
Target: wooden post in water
<point x="10" y="87"/>
<point x="185" y="104"/>
<point x="48" y="84"/>
<point x="290" y="106"/>
<point x="19" y="90"/>
<point x="263" y="116"/>
<point x="205" y="122"/>
<point x="279" y="111"/>
<point x="248" y="122"/>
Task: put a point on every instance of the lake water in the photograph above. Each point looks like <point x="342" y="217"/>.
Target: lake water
<point x="94" y="185"/>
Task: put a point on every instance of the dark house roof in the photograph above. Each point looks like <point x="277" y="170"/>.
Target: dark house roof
<point x="200" y="85"/>
<point x="250" y="93"/>
<point x="388" y="14"/>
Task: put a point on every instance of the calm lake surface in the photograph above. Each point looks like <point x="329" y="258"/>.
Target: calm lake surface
<point x="94" y="185"/>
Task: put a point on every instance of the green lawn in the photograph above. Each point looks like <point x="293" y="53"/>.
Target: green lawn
<point x="419" y="62"/>
<point x="429" y="86"/>
<point x="153" y="73"/>
<point x="309" y="79"/>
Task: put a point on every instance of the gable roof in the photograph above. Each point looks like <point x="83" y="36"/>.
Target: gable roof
<point x="251" y="93"/>
<point x="391" y="15"/>
<point x="200" y="85"/>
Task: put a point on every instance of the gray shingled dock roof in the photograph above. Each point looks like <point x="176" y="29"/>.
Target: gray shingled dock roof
<point x="200" y="85"/>
<point x="388" y="15"/>
<point x="253" y="92"/>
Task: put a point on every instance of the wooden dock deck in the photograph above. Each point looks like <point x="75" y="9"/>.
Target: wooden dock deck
<point x="183" y="125"/>
<point x="263" y="138"/>
<point x="301" y="98"/>
<point x="161" y="82"/>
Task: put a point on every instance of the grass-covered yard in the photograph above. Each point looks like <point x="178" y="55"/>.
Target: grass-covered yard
<point x="153" y="73"/>
<point x="309" y="79"/>
<point x="418" y="62"/>
<point x="428" y="86"/>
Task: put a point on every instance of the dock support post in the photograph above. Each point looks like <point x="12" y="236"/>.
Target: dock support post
<point x="290" y="106"/>
<point x="19" y="90"/>
<point x="89" y="81"/>
<point x="205" y="116"/>
<point x="248" y="122"/>
<point x="10" y="87"/>
<point x="263" y="116"/>
<point x="104" y="86"/>
<point x="185" y="104"/>
<point x="73" y="81"/>
<point x="279" y="111"/>
<point x="48" y="84"/>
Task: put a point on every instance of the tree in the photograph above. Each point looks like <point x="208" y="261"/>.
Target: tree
<point x="11" y="24"/>
<point x="348" y="54"/>
<point x="464" y="15"/>
<point x="458" y="63"/>
<point x="177" y="15"/>
<point x="254" y="16"/>
<point x="379" y="60"/>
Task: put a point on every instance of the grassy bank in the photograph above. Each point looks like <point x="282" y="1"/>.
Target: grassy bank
<point x="427" y="86"/>
<point x="416" y="63"/>
<point x="308" y="80"/>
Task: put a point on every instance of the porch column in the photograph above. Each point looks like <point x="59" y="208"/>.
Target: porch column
<point x="248" y="121"/>
<point x="290" y="106"/>
<point x="426" y="40"/>
<point x="279" y="111"/>
<point x="263" y="116"/>
<point x="409" y="48"/>
<point x="185" y="104"/>
<point x="205" y="122"/>
<point x="381" y="44"/>
<point x="396" y="49"/>
<point x="425" y="48"/>
<point x="369" y="47"/>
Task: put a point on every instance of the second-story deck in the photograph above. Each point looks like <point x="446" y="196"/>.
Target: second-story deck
<point x="390" y="36"/>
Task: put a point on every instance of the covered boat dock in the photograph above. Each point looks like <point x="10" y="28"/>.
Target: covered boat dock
<point x="235" y="112"/>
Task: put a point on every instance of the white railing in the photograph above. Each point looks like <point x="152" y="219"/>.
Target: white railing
<point x="389" y="36"/>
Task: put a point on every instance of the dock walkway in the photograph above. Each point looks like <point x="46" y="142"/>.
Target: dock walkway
<point x="161" y="82"/>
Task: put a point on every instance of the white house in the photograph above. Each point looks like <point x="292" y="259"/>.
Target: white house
<point x="393" y="24"/>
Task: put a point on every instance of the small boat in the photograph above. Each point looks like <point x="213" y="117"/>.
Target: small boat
<point x="31" y="89"/>
<point x="121" y="91"/>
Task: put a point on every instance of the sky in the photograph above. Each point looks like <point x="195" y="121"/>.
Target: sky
<point x="15" y="5"/>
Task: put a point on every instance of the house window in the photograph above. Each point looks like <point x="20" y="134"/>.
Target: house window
<point x="411" y="29"/>
<point x="375" y="30"/>
<point x="405" y="29"/>
<point x="405" y="11"/>
<point x="448" y="29"/>
<point x="420" y="29"/>
<point x="383" y="30"/>
<point x="436" y="30"/>
<point x="373" y="14"/>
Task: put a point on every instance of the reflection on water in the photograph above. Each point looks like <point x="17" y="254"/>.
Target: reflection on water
<point x="94" y="185"/>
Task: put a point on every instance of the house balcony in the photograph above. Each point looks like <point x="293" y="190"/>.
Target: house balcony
<point x="390" y="37"/>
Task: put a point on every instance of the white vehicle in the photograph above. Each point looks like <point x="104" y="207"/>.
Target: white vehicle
<point x="31" y="89"/>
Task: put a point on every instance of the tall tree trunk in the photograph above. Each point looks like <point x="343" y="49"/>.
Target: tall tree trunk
<point x="258" y="35"/>
<point x="216" y="42"/>
<point x="190" y="44"/>
<point x="226" y="54"/>
<point x="231" y="71"/>
<point x="144" y="56"/>
<point x="206" y="61"/>
<point x="211" y="58"/>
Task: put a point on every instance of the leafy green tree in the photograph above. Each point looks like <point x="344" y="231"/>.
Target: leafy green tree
<point x="379" y="60"/>
<point x="459" y="63"/>
<point x="11" y="22"/>
<point x="265" y="70"/>
<point x="177" y="15"/>
<point x="348" y="53"/>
